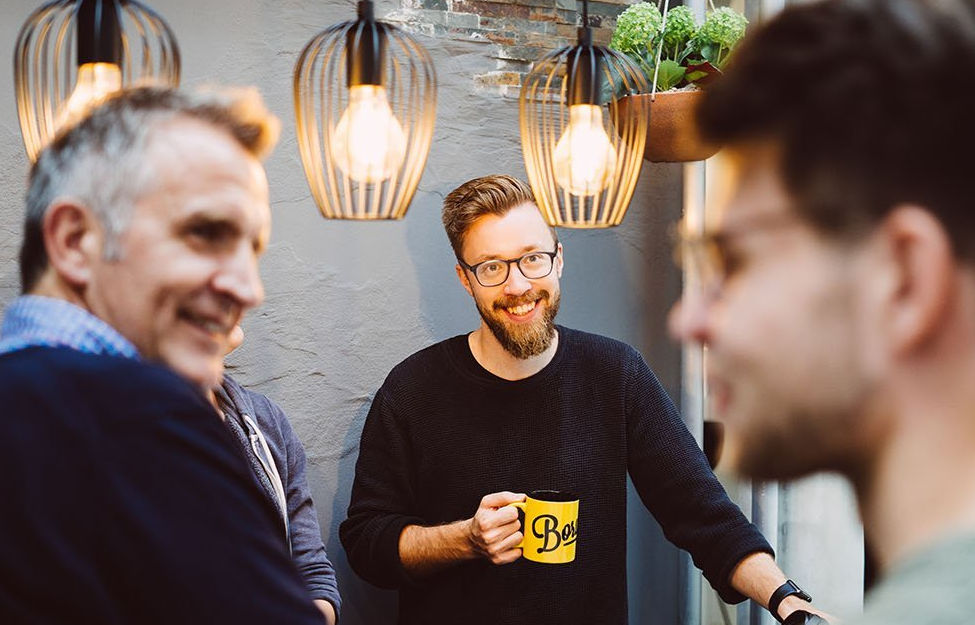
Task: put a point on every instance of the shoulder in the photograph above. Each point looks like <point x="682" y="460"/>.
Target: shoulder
<point x="429" y="363"/>
<point x="77" y="373"/>
<point x="101" y="401"/>
<point x="597" y="349"/>
<point x="270" y="417"/>
<point x="106" y="411"/>
<point x="933" y="587"/>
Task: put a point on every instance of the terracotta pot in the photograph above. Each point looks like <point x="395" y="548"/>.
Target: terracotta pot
<point x="672" y="133"/>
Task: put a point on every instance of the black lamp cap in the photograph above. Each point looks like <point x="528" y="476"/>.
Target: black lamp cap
<point x="366" y="47"/>
<point x="583" y="69"/>
<point x="99" y="32"/>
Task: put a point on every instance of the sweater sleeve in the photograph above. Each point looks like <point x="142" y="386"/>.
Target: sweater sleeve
<point x="676" y="484"/>
<point x="382" y="502"/>
<point x="307" y="549"/>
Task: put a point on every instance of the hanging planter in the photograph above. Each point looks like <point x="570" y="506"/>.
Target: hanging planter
<point x="678" y="58"/>
<point x="672" y="135"/>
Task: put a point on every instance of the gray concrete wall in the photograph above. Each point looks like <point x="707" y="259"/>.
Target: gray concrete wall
<point x="347" y="301"/>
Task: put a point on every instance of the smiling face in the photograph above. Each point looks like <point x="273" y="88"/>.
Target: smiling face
<point x="519" y="312"/>
<point x="187" y="268"/>
<point x="786" y="334"/>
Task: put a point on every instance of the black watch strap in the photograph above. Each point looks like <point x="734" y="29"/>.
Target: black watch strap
<point x="787" y="589"/>
<point x="801" y="617"/>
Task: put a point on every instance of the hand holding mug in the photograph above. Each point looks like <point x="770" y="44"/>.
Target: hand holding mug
<point x="494" y="531"/>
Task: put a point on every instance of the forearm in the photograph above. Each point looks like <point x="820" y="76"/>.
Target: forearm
<point x="426" y="550"/>
<point x="757" y="576"/>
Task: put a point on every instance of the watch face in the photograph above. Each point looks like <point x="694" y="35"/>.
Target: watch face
<point x="799" y="592"/>
<point x="785" y="590"/>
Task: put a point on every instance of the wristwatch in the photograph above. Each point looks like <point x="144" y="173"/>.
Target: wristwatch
<point x="801" y="617"/>
<point x="783" y="591"/>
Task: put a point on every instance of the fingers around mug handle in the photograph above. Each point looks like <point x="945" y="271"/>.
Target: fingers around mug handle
<point x="520" y="506"/>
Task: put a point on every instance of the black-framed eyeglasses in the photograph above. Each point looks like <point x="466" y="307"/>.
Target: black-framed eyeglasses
<point x="494" y="271"/>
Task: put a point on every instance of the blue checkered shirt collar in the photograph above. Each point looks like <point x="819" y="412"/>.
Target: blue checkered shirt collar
<point x="34" y="320"/>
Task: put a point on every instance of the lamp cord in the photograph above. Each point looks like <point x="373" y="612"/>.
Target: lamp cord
<point x="585" y="33"/>
<point x="660" y="50"/>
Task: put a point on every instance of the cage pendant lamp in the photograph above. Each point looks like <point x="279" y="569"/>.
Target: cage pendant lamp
<point x="582" y="155"/>
<point x="71" y="54"/>
<point x="365" y="97"/>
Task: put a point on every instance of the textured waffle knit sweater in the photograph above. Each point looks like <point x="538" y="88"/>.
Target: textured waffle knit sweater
<point x="443" y="432"/>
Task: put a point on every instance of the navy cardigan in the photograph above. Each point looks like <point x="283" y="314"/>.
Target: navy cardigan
<point x="125" y="501"/>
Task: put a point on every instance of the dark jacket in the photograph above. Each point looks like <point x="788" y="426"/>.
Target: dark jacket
<point x="125" y="501"/>
<point x="288" y="457"/>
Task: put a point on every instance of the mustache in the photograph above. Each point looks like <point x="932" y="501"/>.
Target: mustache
<point x="512" y="301"/>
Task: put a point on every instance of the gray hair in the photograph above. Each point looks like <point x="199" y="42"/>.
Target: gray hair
<point x="101" y="161"/>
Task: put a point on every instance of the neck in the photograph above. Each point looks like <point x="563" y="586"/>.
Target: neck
<point x="50" y="285"/>
<point x="921" y="487"/>
<point x="492" y="356"/>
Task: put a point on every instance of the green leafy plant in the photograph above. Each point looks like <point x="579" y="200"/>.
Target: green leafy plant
<point x="688" y="53"/>
<point x="636" y="27"/>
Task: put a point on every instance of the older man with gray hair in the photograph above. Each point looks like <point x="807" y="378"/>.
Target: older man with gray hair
<point x="125" y="500"/>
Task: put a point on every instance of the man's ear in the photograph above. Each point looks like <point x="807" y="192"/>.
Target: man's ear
<point x="464" y="280"/>
<point x="72" y="239"/>
<point x="559" y="260"/>
<point x="921" y="292"/>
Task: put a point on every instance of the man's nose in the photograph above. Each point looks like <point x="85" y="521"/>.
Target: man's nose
<point x="240" y="279"/>
<point x="517" y="283"/>
<point x="689" y="319"/>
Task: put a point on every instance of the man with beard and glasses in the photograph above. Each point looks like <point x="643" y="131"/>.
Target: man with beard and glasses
<point x="837" y="298"/>
<point x="459" y="430"/>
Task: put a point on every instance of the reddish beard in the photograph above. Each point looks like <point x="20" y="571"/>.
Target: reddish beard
<point x="522" y="340"/>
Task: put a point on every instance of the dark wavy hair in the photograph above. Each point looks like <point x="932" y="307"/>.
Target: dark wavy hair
<point x="871" y="104"/>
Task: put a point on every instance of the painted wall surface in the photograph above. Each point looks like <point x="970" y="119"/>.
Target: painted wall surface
<point x="347" y="301"/>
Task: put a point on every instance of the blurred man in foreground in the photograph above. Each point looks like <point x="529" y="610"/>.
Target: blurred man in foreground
<point x="838" y="290"/>
<point x="124" y="499"/>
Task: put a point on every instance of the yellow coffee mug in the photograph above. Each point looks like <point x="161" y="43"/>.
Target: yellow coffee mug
<point x="550" y="527"/>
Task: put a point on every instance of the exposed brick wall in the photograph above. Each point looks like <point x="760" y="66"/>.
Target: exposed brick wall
<point x="517" y="32"/>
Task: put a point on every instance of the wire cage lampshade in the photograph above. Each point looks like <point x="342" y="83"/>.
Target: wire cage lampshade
<point x="582" y="154"/>
<point x="71" y="54"/>
<point x="365" y="98"/>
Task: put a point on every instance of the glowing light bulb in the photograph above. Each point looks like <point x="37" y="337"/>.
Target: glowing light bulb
<point x="585" y="160"/>
<point x="368" y="144"/>
<point x="96" y="81"/>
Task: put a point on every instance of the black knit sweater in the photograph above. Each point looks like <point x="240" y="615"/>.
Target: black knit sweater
<point x="443" y="432"/>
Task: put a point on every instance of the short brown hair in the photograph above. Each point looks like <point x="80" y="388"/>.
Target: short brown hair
<point x="848" y="90"/>
<point x="488" y="195"/>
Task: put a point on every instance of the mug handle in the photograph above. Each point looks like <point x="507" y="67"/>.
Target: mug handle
<point x="520" y="506"/>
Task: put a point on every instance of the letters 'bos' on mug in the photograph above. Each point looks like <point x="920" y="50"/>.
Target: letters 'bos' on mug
<point x="550" y="526"/>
